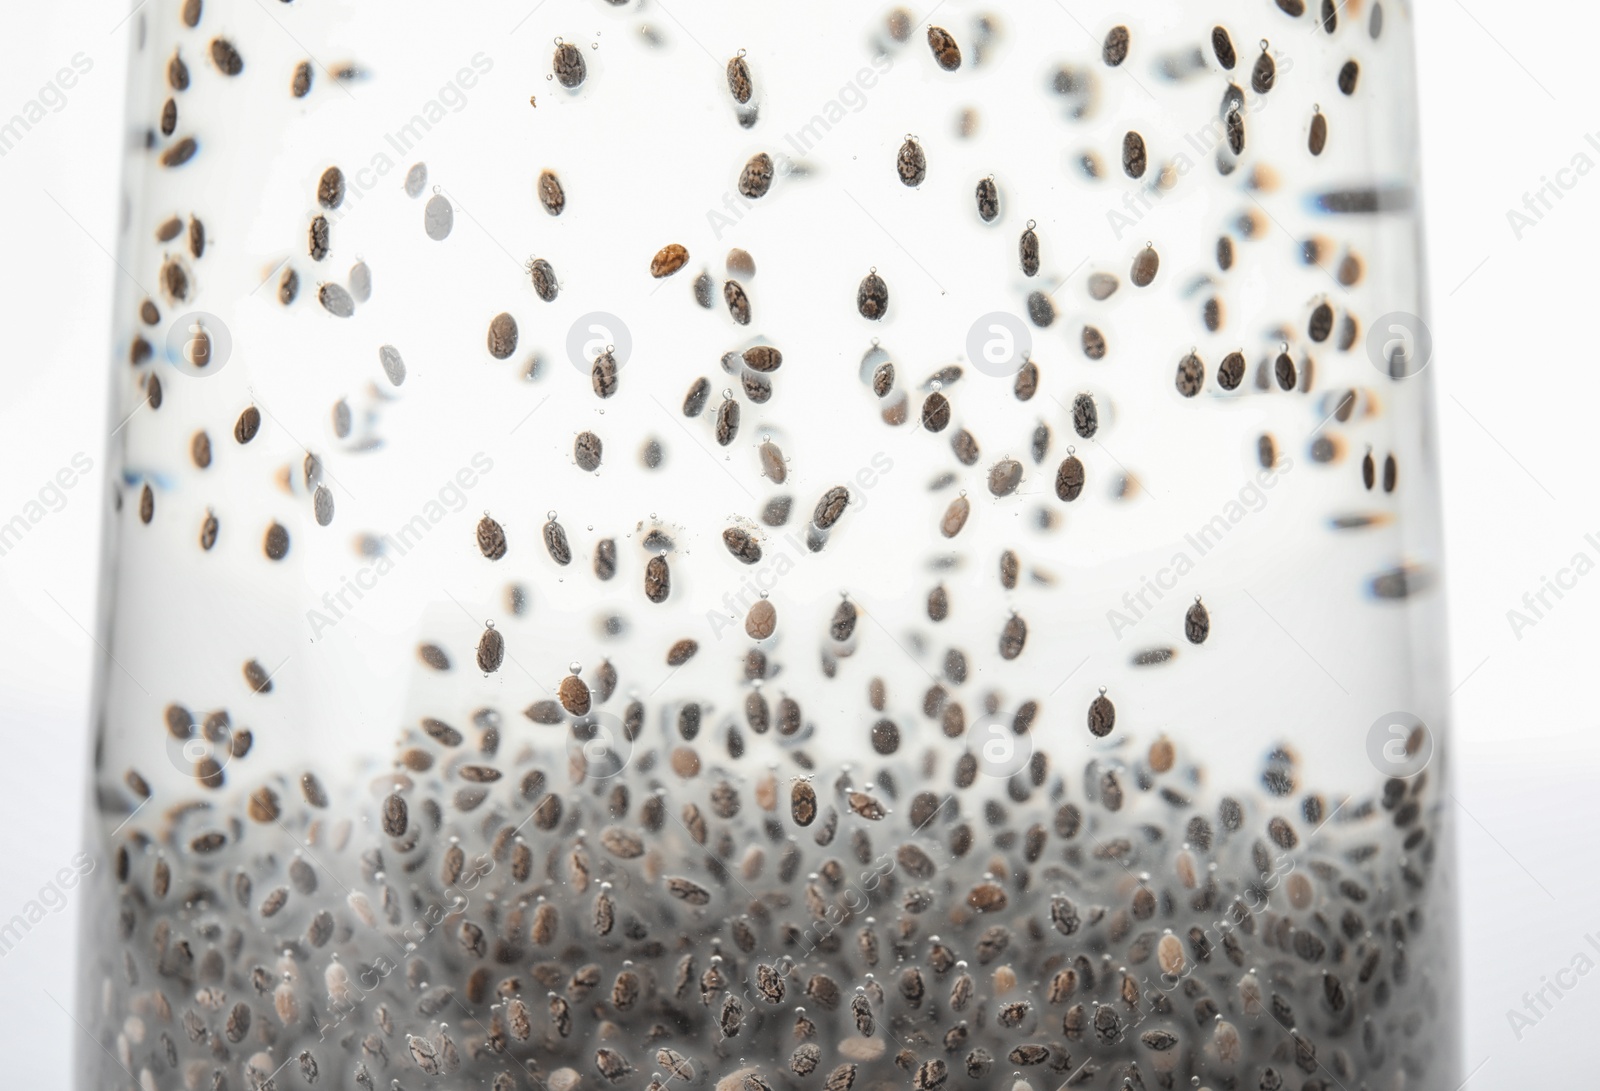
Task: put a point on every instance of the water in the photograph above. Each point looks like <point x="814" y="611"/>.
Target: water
<point x="772" y="553"/>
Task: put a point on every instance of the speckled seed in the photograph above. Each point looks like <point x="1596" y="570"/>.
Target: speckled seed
<point x="988" y="196"/>
<point x="1134" y="157"/>
<point x="491" y="650"/>
<point x="300" y="83"/>
<point x="1102" y="716"/>
<point x="394" y="816"/>
<point x="603" y="375"/>
<point x="657" y="579"/>
<point x="911" y="163"/>
<point x="762" y="620"/>
<point x="1085" y="416"/>
<point x="1146" y="263"/>
<point x="1283" y="370"/>
<point x="1231" y="373"/>
<point x="1348" y="76"/>
<point x="1069" y="478"/>
<point x="1013" y="637"/>
<point x="248" y="424"/>
<point x="502" y="336"/>
<point x="551" y="195"/>
<point x="739" y="80"/>
<point x="208" y="532"/>
<point x="569" y="65"/>
<point x="1028" y="251"/>
<point x="756" y="177"/>
<point x="542" y="275"/>
<point x="330" y="188"/>
<point x="727" y="421"/>
<point x="555" y="541"/>
<point x="1191" y="375"/>
<point x="945" y="50"/>
<point x="830" y="507"/>
<point x="955" y="517"/>
<point x="762" y="358"/>
<point x="872" y="297"/>
<point x="1115" y="49"/>
<point x="738" y="303"/>
<point x="322" y="505"/>
<point x="491" y="539"/>
<point x="883" y="380"/>
<point x="668" y="260"/>
<point x="936" y="412"/>
<point x="586" y="451"/>
<point x="226" y="57"/>
<point x="773" y="467"/>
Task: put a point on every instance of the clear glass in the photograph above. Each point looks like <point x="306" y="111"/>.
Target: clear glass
<point x="772" y="549"/>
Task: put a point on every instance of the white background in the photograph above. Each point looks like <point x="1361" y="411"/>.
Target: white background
<point x="1508" y="96"/>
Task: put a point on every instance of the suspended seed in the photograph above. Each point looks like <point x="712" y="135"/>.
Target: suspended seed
<point x="1292" y="8"/>
<point x="945" y="50"/>
<point x="1264" y="74"/>
<point x="574" y="695"/>
<point x="1191" y="375"/>
<point x="491" y="650"/>
<point x="681" y="652"/>
<point x="1134" y="159"/>
<point x="289" y="287"/>
<point x="657" y="579"/>
<point x="1391" y="473"/>
<point x="551" y="195"/>
<point x="1235" y="126"/>
<point x="1222" y="46"/>
<point x="1266" y="451"/>
<point x="883" y="380"/>
<point x="438" y="218"/>
<point x="300" y="84"/>
<point x="955" y="517"/>
<point x="180" y="153"/>
<point x="1069" y="479"/>
<point x="1115" y="49"/>
<point x="394" y="816"/>
<point x="742" y="545"/>
<point x="276" y="542"/>
<point x="1041" y="309"/>
<point x="695" y="401"/>
<point x="1102" y="716"/>
<point x="912" y="163"/>
<point x="738" y="303"/>
<point x="330" y="188"/>
<point x="803" y="803"/>
<point x="872" y="297"/>
<point x="1094" y="343"/>
<point x="761" y="621"/>
<point x="226" y="57"/>
<point x="1348" y="75"/>
<point x="1145" y="265"/>
<point x="727" y="422"/>
<point x="502" y="336"/>
<point x="570" y="67"/>
<point x="1005" y="476"/>
<point x="739" y="79"/>
<point x="586" y="451"/>
<point x="1013" y="637"/>
<point x="1026" y="384"/>
<point x="686" y="890"/>
<point x="1197" y="623"/>
<point x="491" y="539"/>
<point x="248" y="424"/>
<point x="936" y="412"/>
<point x="1231" y="373"/>
<point x="756" y="177"/>
<point x="543" y="277"/>
<point x="322" y="505"/>
<point x="1283" y="370"/>
<point x="1085" y="416"/>
<point x="668" y="260"/>
<point x="830" y="507"/>
<point x="393" y="366"/>
<point x="555" y="542"/>
<point x="704" y="290"/>
<point x="988" y="195"/>
<point x="336" y="301"/>
<point x="208" y="532"/>
<point x="603" y="375"/>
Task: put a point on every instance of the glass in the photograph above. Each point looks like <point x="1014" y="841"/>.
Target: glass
<point x="772" y="549"/>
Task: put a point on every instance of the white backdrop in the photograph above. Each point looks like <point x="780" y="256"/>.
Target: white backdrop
<point x="1508" y="107"/>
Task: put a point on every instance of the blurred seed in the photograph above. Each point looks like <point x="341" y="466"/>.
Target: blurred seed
<point x="1283" y="370"/>
<point x="1197" y="623"/>
<point x="335" y="300"/>
<point x="1348" y="75"/>
<point x="955" y="517"/>
<point x="657" y="579"/>
<point x="276" y="542"/>
<point x="1005" y="476"/>
<point x="761" y="621"/>
<point x="300" y="84"/>
<point x="491" y="650"/>
<point x="1235" y="130"/>
<point x="668" y="260"/>
<point x="394" y="816"/>
<point x="330" y="188"/>
<point x="438" y="217"/>
<point x="695" y="401"/>
<point x="1318" y="138"/>
<point x="912" y="163"/>
<point x="1094" y="343"/>
<point x="1264" y="74"/>
<point x="773" y="467"/>
<point x="226" y="57"/>
<point x="180" y="153"/>
<point x="1391" y="473"/>
<point x="394" y="368"/>
<point x="1115" y="49"/>
<point x="1013" y="637"/>
<point x="681" y="652"/>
